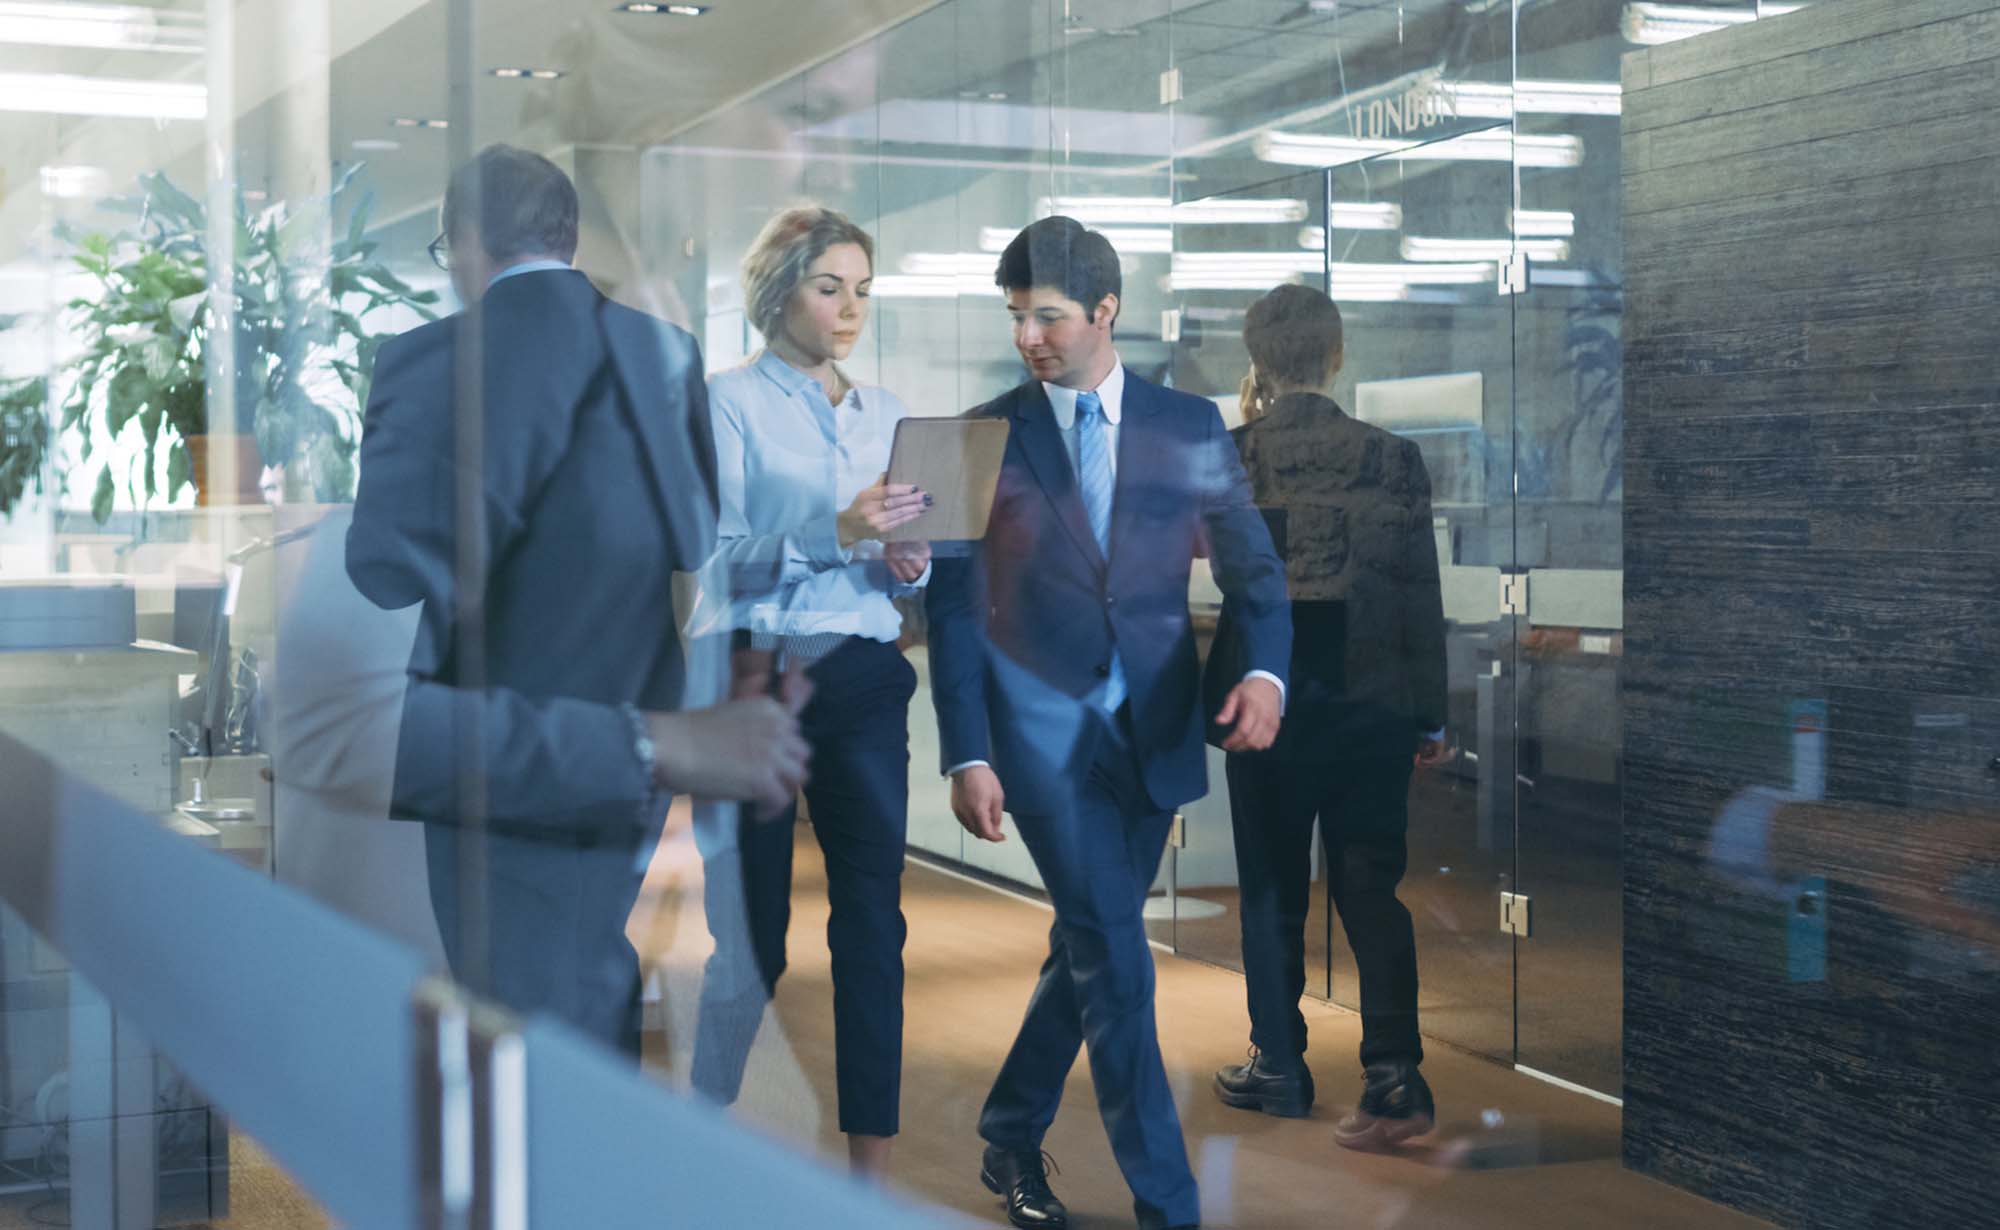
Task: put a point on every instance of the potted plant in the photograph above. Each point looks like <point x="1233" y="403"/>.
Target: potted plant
<point x="302" y="359"/>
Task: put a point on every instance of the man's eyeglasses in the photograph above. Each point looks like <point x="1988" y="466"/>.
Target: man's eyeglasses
<point x="440" y="253"/>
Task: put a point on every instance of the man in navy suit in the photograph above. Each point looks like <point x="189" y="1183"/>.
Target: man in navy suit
<point x="1064" y="672"/>
<point x="533" y="471"/>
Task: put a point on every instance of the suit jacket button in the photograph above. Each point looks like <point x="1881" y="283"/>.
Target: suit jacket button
<point x="1104" y="670"/>
<point x="1111" y="600"/>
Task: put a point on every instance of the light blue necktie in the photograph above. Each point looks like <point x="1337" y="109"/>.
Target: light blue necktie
<point x="1094" y="477"/>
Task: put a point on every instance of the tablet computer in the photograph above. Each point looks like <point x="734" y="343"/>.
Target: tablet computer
<point x="957" y="462"/>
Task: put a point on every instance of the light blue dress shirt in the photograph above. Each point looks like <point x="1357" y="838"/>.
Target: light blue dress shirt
<point x="788" y="463"/>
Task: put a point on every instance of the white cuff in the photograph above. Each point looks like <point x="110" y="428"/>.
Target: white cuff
<point x="957" y="769"/>
<point x="1279" y="683"/>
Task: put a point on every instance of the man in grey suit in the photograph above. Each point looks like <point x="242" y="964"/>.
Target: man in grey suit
<point x="534" y="470"/>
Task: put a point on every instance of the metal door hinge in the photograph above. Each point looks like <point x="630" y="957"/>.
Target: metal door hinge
<point x="1513" y="593"/>
<point x="1177" y="836"/>
<point x="1514" y="274"/>
<point x="1516" y="918"/>
<point x="1170" y="86"/>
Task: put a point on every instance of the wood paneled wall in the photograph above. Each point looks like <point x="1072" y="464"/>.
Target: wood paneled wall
<point x="1812" y="515"/>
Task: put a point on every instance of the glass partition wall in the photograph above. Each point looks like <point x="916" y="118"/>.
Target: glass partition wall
<point x="1449" y="171"/>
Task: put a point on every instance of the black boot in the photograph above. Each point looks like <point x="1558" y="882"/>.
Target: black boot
<point x="1285" y="1090"/>
<point x="1396" y="1105"/>
<point x="1021" y="1176"/>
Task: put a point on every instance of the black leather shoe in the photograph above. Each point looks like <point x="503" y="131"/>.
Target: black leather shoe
<point x="1285" y="1091"/>
<point x="1396" y="1105"/>
<point x="1021" y="1177"/>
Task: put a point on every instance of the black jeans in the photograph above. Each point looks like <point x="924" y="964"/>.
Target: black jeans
<point x="1362" y="805"/>
<point x="858" y="725"/>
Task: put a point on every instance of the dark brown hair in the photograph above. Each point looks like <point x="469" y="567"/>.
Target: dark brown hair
<point x="1293" y="335"/>
<point x="1062" y="253"/>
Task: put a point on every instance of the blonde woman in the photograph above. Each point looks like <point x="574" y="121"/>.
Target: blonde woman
<point x="801" y="451"/>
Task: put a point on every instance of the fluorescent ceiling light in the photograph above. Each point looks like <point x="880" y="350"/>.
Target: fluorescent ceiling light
<point x="375" y="144"/>
<point x="1160" y="211"/>
<point x="1255" y="270"/>
<point x="671" y="10"/>
<point x="1487" y="145"/>
<point x="947" y="264"/>
<point x="62" y="94"/>
<point x="527" y="74"/>
<point x="1366" y="216"/>
<point x="114" y="27"/>
<point x="1653" y="24"/>
<point x="1423" y="248"/>
<point x="1542" y="223"/>
<point x="1498" y="100"/>
<point x="933" y="285"/>
<point x="71" y="183"/>
<point x="1129" y="240"/>
<point x="417" y="121"/>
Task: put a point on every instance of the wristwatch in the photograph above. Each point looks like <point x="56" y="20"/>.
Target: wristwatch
<point x="642" y="740"/>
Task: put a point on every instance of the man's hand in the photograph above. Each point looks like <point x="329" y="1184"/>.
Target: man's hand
<point x="1252" y="711"/>
<point x="747" y="750"/>
<point x="879" y="509"/>
<point x="977" y="800"/>
<point x="907" y="560"/>
<point x="1433" y="752"/>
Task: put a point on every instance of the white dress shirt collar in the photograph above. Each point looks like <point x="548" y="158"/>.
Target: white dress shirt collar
<point x="794" y="381"/>
<point x="1110" y="394"/>
<point x="526" y="267"/>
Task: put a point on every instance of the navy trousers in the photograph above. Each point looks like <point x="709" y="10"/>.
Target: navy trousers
<point x="1362" y="805"/>
<point x="554" y="923"/>
<point x="858" y="799"/>
<point x="1097" y="858"/>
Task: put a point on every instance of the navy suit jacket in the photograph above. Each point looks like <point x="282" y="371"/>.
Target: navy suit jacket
<point x="1022" y="629"/>
<point x="595" y="482"/>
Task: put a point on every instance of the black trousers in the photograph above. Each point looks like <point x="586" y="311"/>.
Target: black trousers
<point x="858" y="725"/>
<point x="1362" y="805"/>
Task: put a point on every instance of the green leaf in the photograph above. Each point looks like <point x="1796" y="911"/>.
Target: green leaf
<point x="171" y="202"/>
<point x="125" y="396"/>
<point x="100" y="500"/>
<point x="180" y="469"/>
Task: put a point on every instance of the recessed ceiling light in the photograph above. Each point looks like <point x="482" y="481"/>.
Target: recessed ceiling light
<point x="671" y="10"/>
<point x="527" y="74"/>
<point x="996" y="96"/>
<point x="414" y="121"/>
<point x="376" y="143"/>
<point x="74" y="181"/>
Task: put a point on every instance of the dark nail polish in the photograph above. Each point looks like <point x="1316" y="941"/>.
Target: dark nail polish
<point x="928" y="501"/>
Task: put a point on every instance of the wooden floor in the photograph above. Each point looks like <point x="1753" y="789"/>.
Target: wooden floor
<point x="1511" y="1152"/>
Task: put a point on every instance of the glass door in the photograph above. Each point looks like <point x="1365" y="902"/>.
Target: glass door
<point x="1429" y="356"/>
<point x="1429" y="341"/>
<point x="1229" y="250"/>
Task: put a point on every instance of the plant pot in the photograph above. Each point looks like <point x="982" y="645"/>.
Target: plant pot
<point x="249" y="466"/>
